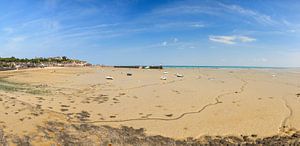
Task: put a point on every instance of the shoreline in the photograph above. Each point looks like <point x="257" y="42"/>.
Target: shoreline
<point x="156" y="67"/>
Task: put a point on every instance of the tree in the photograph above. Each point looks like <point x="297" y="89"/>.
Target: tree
<point x="64" y="58"/>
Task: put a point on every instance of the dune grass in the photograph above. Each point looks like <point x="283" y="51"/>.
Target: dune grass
<point x="10" y="86"/>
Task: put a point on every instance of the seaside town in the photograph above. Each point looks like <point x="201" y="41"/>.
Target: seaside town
<point x="13" y="63"/>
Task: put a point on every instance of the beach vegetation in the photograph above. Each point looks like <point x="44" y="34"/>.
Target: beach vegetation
<point x="9" y="86"/>
<point x="62" y="59"/>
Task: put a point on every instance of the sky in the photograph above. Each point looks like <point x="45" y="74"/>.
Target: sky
<point x="153" y="32"/>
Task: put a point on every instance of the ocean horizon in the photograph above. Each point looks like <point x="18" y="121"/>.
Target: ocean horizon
<point x="234" y="67"/>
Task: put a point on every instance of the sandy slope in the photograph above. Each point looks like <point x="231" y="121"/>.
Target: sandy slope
<point x="262" y="102"/>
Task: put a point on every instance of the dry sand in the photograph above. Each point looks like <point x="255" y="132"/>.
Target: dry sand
<point x="223" y="102"/>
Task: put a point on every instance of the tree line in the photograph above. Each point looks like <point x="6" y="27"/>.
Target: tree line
<point x="62" y="59"/>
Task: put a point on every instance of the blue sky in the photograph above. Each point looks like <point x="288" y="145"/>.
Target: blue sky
<point x="149" y="32"/>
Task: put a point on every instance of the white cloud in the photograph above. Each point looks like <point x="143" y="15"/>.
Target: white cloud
<point x="197" y="25"/>
<point x="231" y="39"/>
<point x="292" y="30"/>
<point x="171" y="42"/>
<point x="180" y="24"/>
<point x="246" y="39"/>
<point x="51" y="4"/>
<point x="42" y="23"/>
<point x="175" y="40"/>
<point x="259" y="17"/>
<point x="14" y="43"/>
<point x="18" y="39"/>
<point x="260" y="59"/>
<point x="223" y="39"/>
<point x="185" y="8"/>
<point x="164" y="43"/>
<point x="287" y="23"/>
<point x="218" y="9"/>
<point x="8" y="30"/>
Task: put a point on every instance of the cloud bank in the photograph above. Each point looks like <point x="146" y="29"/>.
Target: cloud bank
<point x="233" y="39"/>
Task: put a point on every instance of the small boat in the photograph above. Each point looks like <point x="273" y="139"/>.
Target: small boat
<point x="163" y="78"/>
<point x="129" y="74"/>
<point x="165" y="72"/>
<point x="109" y="78"/>
<point x="179" y="75"/>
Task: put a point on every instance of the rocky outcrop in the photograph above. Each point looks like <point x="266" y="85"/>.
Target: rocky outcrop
<point x="60" y="133"/>
<point x="3" y="140"/>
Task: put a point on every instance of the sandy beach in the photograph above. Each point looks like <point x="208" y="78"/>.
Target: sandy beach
<point x="204" y="102"/>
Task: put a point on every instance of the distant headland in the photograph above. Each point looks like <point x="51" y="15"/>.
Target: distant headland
<point x="13" y="63"/>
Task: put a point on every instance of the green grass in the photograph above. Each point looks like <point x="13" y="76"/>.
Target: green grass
<point x="9" y="86"/>
<point x="38" y="92"/>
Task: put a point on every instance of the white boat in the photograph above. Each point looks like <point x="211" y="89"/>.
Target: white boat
<point x="109" y="78"/>
<point x="165" y="72"/>
<point x="179" y="75"/>
<point x="211" y="79"/>
<point x="163" y="78"/>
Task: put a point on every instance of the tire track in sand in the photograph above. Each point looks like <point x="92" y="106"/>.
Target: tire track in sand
<point x="284" y="126"/>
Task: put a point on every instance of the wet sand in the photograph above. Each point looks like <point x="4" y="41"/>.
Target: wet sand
<point x="216" y="102"/>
